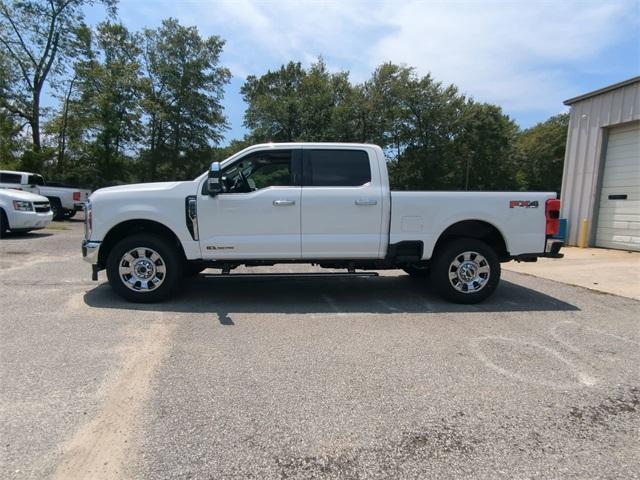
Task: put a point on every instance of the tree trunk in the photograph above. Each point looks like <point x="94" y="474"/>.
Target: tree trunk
<point x="62" y="145"/>
<point x="35" y="121"/>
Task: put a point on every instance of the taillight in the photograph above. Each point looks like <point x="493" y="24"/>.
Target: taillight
<point x="552" y="214"/>
<point x="76" y="196"/>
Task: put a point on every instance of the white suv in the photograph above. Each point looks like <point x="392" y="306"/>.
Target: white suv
<point x="23" y="211"/>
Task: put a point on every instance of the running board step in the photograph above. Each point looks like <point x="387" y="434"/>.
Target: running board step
<point x="293" y="274"/>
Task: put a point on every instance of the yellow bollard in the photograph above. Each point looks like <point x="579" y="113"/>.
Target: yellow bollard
<point x="582" y="242"/>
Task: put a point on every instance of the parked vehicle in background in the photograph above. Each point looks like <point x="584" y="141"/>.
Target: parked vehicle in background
<point x="22" y="211"/>
<point x="325" y="204"/>
<point x="65" y="200"/>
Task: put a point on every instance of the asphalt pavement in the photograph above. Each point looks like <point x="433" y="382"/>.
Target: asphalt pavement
<point x="298" y="378"/>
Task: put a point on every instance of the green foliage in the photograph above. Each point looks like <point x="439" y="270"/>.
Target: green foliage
<point x="183" y="90"/>
<point x="541" y="153"/>
<point x="434" y="136"/>
<point x="293" y="104"/>
<point x="109" y="95"/>
<point x="37" y="38"/>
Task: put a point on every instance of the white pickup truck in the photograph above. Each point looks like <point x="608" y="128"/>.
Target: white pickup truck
<point x="327" y="204"/>
<point x="65" y="200"/>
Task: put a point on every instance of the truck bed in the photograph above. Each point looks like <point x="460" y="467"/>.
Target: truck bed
<point x="423" y="216"/>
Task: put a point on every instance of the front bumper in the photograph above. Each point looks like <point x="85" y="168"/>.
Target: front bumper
<point x="19" y="220"/>
<point x="90" y="251"/>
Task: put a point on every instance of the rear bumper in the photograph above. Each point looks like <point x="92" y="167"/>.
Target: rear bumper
<point x="551" y="250"/>
<point x="78" y="207"/>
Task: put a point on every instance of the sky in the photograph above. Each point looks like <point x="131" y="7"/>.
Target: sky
<point x="526" y="57"/>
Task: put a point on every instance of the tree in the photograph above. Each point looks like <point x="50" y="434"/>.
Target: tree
<point x="9" y="141"/>
<point x="418" y="122"/>
<point x="110" y="92"/>
<point x="485" y="149"/>
<point x="184" y="87"/>
<point x="293" y="104"/>
<point x="37" y="36"/>
<point x="434" y="136"/>
<point x="541" y="154"/>
<point x="273" y="103"/>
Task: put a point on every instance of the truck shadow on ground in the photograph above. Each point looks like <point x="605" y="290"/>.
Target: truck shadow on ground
<point x="25" y="235"/>
<point x="331" y="296"/>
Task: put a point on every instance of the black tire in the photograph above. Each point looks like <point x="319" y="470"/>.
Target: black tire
<point x="56" y="208"/>
<point x="193" y="269"/>
<point x="4" y="224"/>
<point x="69" y="214"/>
<point x="170" y="258"/>
<point x="443" y="264"/>
<point x="418" y="271"/>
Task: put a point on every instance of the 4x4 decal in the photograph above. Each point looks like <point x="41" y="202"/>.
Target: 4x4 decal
<point x="523" y="203"/>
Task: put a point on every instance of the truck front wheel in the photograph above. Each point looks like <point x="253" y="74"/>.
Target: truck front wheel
<point x="4" y="224"/>
<point x="465" y="270"/>
<point x="144" y="268"/>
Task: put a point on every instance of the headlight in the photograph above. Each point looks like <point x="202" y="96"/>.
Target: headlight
<point x="23" y="206"/>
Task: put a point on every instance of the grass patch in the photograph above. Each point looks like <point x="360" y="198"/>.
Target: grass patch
<point x="53" y="226"/>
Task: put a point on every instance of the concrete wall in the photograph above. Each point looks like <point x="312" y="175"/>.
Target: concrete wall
<point x="588" y="123"/>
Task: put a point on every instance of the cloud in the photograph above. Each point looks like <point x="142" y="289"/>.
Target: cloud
<point x="525" y="56"/>
<point x="518" y="55"/>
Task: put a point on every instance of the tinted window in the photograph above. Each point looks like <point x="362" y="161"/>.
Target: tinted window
<point x="10" y="178"/>
<point x="259" y="170"/>
<point x="338" y="168"/>
<point x="35" y="180"/>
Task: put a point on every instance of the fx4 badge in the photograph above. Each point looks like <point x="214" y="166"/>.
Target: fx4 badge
<point x="523" y="203"/>
<point x="214" y="247"/>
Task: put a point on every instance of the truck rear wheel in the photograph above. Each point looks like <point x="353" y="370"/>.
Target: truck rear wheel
<point x="144" y="268"/>
<point x="56" y="208"/>
<point x="466" y="271"/>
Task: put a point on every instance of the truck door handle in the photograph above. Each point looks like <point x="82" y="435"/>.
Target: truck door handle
<point x="366" y="202"/>
<point x="283" y="203"/>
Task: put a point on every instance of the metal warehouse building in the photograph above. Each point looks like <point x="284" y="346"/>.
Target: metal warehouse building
<point x="601" y="180"/>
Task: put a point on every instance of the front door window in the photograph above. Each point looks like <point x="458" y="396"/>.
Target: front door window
<point x="259" y="170"/>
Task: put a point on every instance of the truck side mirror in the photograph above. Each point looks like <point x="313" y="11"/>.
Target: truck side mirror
<point x="214" y="182"/>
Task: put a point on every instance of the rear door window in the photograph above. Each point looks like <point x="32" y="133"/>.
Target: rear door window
<point x="336" y="168"/>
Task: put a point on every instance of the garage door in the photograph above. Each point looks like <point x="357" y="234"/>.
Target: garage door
<point x="619" y="210"/>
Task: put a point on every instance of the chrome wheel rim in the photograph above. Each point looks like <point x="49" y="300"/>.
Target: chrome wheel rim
<point x="469" y="272"/>
<point x="142" y="269"/>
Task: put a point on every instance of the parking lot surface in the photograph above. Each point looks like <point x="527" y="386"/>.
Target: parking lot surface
<point x="348" y="378"/>
<point x="602" y="269"/>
